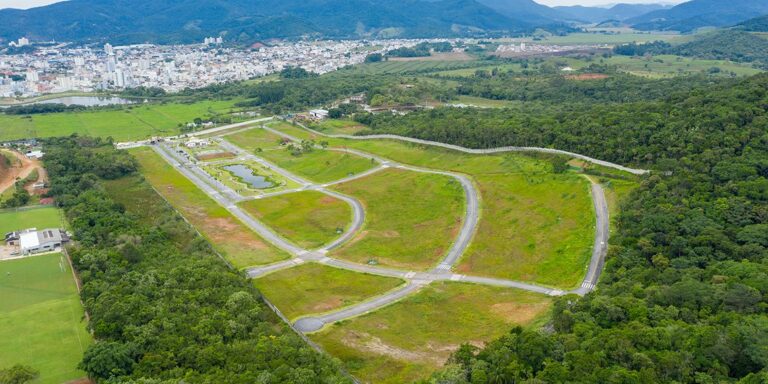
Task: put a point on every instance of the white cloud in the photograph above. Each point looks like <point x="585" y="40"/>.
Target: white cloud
<point x="25" y="4"/>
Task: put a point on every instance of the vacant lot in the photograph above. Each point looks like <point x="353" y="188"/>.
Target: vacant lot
<point x="409" y="339"/>
<point x="41" y="320"/>
<point x="320" y="165"/>
<point x="309" y="218"/>
<point x="536" y="228"/>
<point x="339" y="127"/>
<point x="314" y="288"/>
<point x="128" y="123"/>
<point x="411" y="218"/>
<point x="233" y="239"/>
<point x="31" y="218"/>
<point x="254" y="139"/>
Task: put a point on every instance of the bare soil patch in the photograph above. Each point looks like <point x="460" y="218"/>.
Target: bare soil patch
<point x="215" y="156"/>
<point x="587" y="76"/>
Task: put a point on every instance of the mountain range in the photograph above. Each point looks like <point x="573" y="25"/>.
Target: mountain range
<point x="246" y="21"/>
<point x="695" y="14"/>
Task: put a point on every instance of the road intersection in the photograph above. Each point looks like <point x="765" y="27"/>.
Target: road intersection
<point x="414" y="280"/>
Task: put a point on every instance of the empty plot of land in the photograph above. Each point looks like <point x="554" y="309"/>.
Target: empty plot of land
<point x="339" y="127"/>
<point x="314" y="288"/>
<point x="536" y="228"/>
<point x="41" y="320"/>
<point x="254" y="139"/>
<point x="411" y="218"/>
<point x="320" y="165"/>
<point x="233" y="239"/>
<point x="310" y="219"/>
<point x="407" y="340"/>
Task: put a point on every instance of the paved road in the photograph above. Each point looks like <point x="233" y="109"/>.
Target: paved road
<point x="483" y="151"/>
<point x="414" y="280"/>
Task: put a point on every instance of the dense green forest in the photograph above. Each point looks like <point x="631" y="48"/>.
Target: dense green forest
<point x="163" y="307"/>
<point x="683" y="298"/>
<point x="733" y="45"/>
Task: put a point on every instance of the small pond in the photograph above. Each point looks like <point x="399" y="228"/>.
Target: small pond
<point x="247" y="176"/>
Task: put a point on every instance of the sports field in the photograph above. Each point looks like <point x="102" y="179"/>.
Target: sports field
<point x="408" y="340"/>
<point x="128" y="123"/>
<point x="411" y="218"/>
<point x="314" y="288"/>
<point x="41" y="320"/>
<point x="11" y="220"/>
<point x="309" y="218"/>
<point x="233" y="239"/>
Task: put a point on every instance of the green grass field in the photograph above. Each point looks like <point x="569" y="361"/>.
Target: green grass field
<point x="39" y="218"/>
<point x="536" y="228"/>
<point x="41" y="320"/>
<point x="136" y="123"/>
<point x="310" y="219"/>
<point x="320" y="165"/>
<point x="254" y="138"/>
<point x="233" y="239"/>
<point x="411" y="218"/>
<point x="408" y="340"/>
<point x="603" y="38"/>
<point x="415" y="66"/>
<point x="313" y="288"/>
<point x="339" y="127"/>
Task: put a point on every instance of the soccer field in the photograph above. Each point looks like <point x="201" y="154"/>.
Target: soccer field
<point x="41" y="320"/>
<point x="41" y="218"/>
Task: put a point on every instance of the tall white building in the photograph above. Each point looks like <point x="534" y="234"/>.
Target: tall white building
<point x="109" y="49"/>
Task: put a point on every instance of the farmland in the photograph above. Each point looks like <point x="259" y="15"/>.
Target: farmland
<point x="308" y="218"/>
<point x="235" y="241"/>
<point x="41" y="320"/>
<point x="128" y="123"/>
<point x="314" y="288"/>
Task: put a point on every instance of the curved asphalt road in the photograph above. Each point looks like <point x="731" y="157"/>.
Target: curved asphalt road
<point x="415" y="280"/>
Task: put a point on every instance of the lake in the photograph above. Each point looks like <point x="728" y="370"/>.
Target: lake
<point x="246" y="175"/>
<point x="88" y="101"/>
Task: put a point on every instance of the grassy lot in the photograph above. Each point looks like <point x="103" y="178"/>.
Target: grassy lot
<point x="314" y="288"/>
<point x="339" y="127"/>
<point x="229" y="179"/>
<point x="669" y="65"/>
<point x="41" y="218"/>
<point x="41" y="320"/>
<point x="408" y="340"/>
<point x="320" y="166"/>
<point x="414" y="66"/>
<point x="602" y="38"/>
<point x="295" y="131"/>
<point x="537" y="228"/>
<point x="129" y="123"/>
<point x="233" y="239"/>
<point x="411" y="218"/>
<point x="254" y="139"/>
<point x="483" y="102"/>
<point x="309" y="218"/>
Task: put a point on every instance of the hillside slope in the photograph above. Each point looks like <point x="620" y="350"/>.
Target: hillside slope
<point x="185" y="21"/>
<point x="700" y="13"/>
<point x="619" y="12"/>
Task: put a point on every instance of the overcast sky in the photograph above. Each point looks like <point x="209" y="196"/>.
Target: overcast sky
<point x="36" y="3"/>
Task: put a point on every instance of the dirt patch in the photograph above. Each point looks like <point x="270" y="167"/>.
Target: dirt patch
<point x="214" y="156"/>
<point x="20" y="169"/>
<point x="389" y="234"/>
<point x="519" y="313"/>
<point x="328" y="304"/>
<point x="587" y="76"/>
<point x="372" y="344"/>
<point x="327" y="200"/>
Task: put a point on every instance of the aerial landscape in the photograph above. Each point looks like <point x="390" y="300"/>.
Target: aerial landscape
<point x="383" y="191"/>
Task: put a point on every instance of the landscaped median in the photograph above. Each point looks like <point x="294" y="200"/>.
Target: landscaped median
<point x="233" y="239"/>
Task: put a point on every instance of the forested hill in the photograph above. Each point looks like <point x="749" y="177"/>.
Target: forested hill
<point x="684" y="298"/>
<point x="759" y="24"/>
<point x="186" y="21"/>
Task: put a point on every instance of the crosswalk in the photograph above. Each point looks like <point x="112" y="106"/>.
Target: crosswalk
<point x="587" y="285"/>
